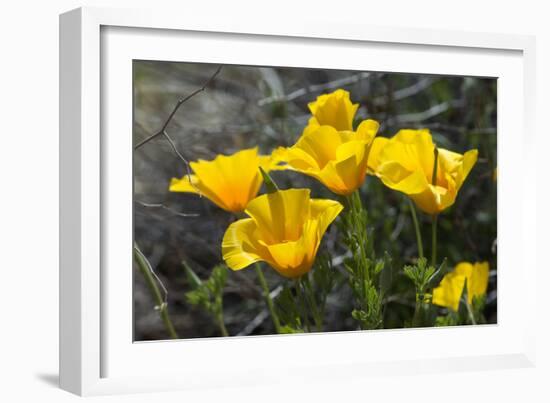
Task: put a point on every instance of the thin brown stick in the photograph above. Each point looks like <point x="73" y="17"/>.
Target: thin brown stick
<point x="181" y="157"/>
<point x="178" y="104"/>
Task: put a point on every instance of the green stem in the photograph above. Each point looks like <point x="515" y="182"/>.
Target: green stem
<point x="360" y="232"/>
<point x="362" y="275"/>
<point x="145" y="268"/>
<point x="221" y="325"/>
<point x="308" y="291"/>
<point x="434" y="240"/>
<point x="416" y="229"/>
<point x="302" y="304"/>
<point x="268" y="299"/>
<point x="471" y="313"/>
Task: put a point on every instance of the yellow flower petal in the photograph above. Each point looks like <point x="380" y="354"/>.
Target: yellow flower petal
<point x="325" y="212"/>
<point x="230" y="181"/>
<point x="414" y="149"/>
<point x="275" y="161"/>
<point x="335" y="109"/>
<point x="285" y="230"/>
<point x="234" y="179"/>
<point x="479" y="280"/>
<point x="239" y="246"/>
<point x="186" y="184"/>
<point x="330" y="177"/>
<point x="433" y="199"/>
<point x="301" y="160"/>
<point x="195" y="186"/>
<point x="406" y="163"/>
<point x="312" y="125"/>
<point x="367" y="130"/>
<point x="320" y="145"/>
<point x="468" y="162"/>
<point x="374" y="154"/>
<point x="449" y="291"/>
<point x="295" y="258"/>
<point x="338" y="159"/>
<point x="352" y="169"/>
<point x="397" y="177"/>
<point x="280" y="215"/>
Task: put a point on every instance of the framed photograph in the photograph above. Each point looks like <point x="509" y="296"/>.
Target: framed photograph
<point x="237" y="197"/>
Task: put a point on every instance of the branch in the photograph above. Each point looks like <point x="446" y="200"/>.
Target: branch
<point x="406" y="92"/>
<point x="178" y="104"/>
<point x="314" y="88"/>
<point x="185" y="162"/>
<point x="162" y="206"/>
<point x="153" y="282"/>
<point x="424" y="115"/>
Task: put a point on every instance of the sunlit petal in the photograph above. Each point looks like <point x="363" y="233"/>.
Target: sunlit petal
<point x="280" y="215"/>
<point x="449" y="291"/>
<point x="197" y="187"/>
<point x="406" y="163"/>
<point x="325" y="212"/>
<point x="335" y="109"/>
<point x="239" y="246"/>
<point x="186" y="184"/>
<point x="320" y="144"/>
<point x="293" y="259"/>
<point x="229" y="181"/>
<point x="479" y="280"/>
<point x="285" y="230"/>
<point x="367" y="130"/>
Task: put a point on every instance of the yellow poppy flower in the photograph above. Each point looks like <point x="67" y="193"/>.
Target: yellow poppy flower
<point x="406" y="162"/>
<point x="228" y="181"/>
<point x="338" y="159"/>
<point x="449" y="291"/>
<point x="334" y="109"/>
<point x="285" y="229"/>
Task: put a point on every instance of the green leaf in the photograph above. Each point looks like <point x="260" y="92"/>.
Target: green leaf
<point x="438" y="275"/>
<point x="270" y="185"/>
<point x="290" y="330"/>
<point x="192" y="277"/>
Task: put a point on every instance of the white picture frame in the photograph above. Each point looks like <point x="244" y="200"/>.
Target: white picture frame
<point x="96" y="355"/>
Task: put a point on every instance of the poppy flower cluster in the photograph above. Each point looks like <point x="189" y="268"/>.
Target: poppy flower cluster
<point x="284" y="228"/>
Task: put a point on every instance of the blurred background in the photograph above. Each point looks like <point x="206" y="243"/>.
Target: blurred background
<point x="267" y="107"/>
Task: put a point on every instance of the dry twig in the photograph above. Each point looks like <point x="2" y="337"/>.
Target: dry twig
<point x="314" y="88"/>
<point x="164" y="207"/>
<point x="178" y="104"/>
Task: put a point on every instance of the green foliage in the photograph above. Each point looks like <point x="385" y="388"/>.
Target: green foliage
<point x="288" y="312"/>
<point x="369" y="278"/>
<point x="478" y="306"/>
<point x="208" y="294"/>
<point x="420" y="274"/>
<point x="424" y="277"/>
<point x="451" y="319"/>
<point x="370" y="314"/>
<point x="301" y="307"/>
<point x="324" y="279"/>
